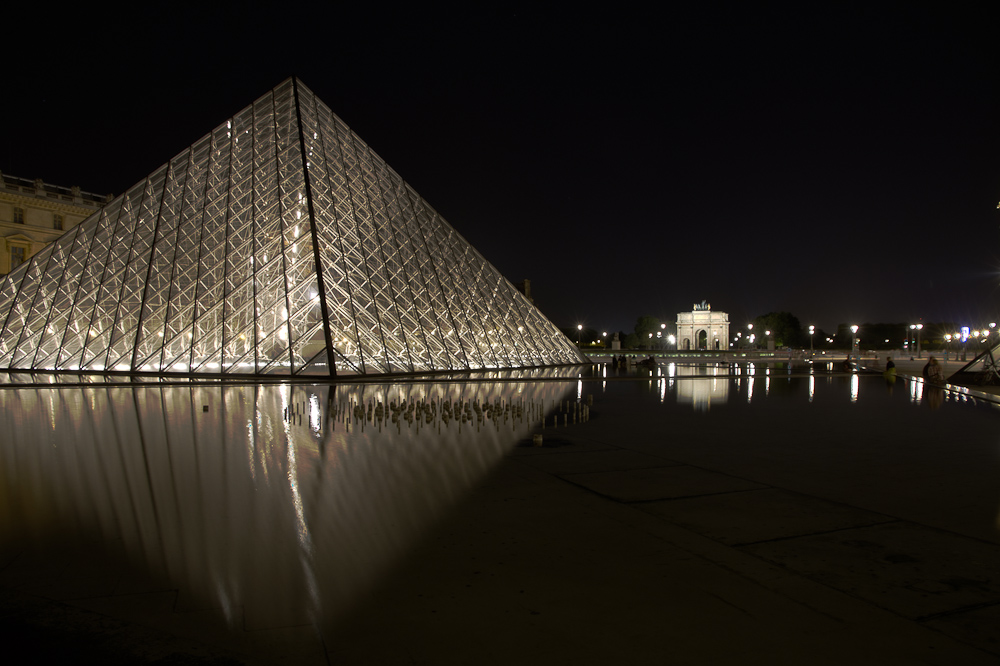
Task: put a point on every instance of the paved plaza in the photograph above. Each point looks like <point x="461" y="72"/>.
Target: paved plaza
<point x="767" y="532"/>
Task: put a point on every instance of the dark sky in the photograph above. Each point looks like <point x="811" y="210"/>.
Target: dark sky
<point x="837" y="163"/>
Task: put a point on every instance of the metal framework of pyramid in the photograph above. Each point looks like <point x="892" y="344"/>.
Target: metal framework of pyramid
<point x="983" y="370"/>
<point x="277" y="244"/>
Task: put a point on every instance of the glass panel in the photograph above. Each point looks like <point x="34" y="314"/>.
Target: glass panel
<point x="154" y="306"/>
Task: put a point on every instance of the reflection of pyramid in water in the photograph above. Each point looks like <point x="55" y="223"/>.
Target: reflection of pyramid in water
<point x="278" y="244"/>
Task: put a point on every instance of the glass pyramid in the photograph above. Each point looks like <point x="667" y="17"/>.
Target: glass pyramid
<point x="278" y="244"/>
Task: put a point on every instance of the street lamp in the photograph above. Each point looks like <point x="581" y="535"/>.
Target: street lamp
<point x="854" y="340"/>
<point x="812" y="330"/>
<point x="915" y="328"/>
<point x="579" y="333"/>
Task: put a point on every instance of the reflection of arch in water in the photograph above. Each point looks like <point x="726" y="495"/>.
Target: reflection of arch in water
<point x="702" y="385"/>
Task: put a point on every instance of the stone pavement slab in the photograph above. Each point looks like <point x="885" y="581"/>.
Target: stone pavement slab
<point x="975" y="627"/>
<point x="912" y="570"/>
<point x="576" y="462"/>
<point x="641" y="485"/>
<point x="543" y="572"/>
<point x="760" y="515"/>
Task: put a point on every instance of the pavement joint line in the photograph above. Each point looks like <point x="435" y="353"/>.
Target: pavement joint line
<point x="957" y="611"/>
<point x="638" y="501"/>
<point x="629" y="469"/>
<point x="723" y="492"/>
<point x="820" y="532"/>
<point x="684" y="497"/>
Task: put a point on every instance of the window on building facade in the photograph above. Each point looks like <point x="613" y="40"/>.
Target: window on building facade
<point x="17" y="256"/>
<point x="57" y="221"/>
<point x="18" y="215"/>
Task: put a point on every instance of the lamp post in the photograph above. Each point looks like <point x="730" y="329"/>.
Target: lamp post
<point x="579" y="334"/>
<point x="919" y="327"/>
<point x="812" y="330"/>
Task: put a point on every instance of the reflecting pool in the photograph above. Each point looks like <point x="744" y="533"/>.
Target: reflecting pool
<point x="283" y="504"/>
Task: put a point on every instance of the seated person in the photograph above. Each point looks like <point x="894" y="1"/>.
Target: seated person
<point x="933" y="372"/>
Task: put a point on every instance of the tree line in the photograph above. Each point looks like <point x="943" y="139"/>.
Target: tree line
<point x="650" y="333"/>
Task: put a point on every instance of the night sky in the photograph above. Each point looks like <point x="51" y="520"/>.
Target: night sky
<point x="837" y="163"/>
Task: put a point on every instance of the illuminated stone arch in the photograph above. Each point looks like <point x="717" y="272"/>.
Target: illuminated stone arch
<point x="703" y="328"/>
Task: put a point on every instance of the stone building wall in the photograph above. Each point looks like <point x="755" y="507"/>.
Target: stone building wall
<point x="34" y="213"/>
